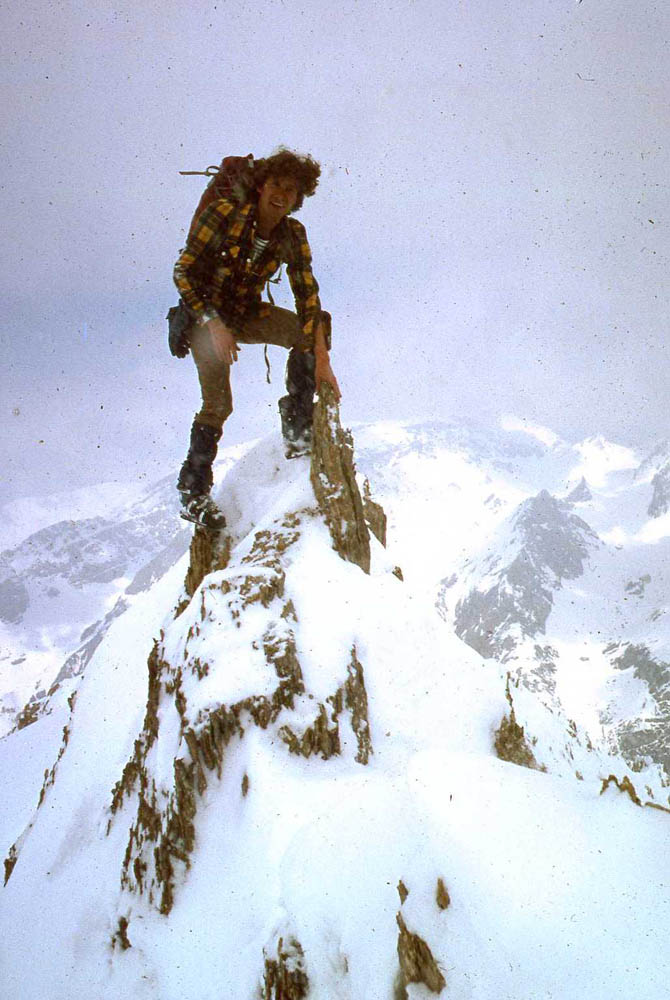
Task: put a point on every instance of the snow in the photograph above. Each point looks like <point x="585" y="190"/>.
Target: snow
<point x="66" y="575"/>
<point x="601" y="460"/>
<point x="557" y="892"/>
<point x="23" y="517"/>
<point x="543" y="434"/>
<point x="654" y="530"/>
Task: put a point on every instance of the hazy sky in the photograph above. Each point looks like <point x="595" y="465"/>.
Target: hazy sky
<point x="490" y="232"/>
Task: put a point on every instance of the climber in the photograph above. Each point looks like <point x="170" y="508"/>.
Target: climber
<point x="234" y="248"/>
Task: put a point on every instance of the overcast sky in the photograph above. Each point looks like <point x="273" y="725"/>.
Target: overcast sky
<point x="490" y="232"/>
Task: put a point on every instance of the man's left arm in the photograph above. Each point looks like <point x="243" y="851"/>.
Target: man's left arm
<point x="306" y="293"/>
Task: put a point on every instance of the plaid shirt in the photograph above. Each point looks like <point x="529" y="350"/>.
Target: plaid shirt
<point x="215" y="273"/>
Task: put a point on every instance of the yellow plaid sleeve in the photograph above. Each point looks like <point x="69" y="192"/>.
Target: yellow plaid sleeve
<point x="303" y="284"/>
<point x="194" y="266"/>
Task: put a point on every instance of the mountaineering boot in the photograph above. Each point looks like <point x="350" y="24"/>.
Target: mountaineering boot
<point x="195" y="479"/>
<point x="195" y="476"/>
<point x="202" y="510"/>
<point x="297" y="407"/>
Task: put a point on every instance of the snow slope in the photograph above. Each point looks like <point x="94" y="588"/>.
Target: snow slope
<point x="68" y="565"/>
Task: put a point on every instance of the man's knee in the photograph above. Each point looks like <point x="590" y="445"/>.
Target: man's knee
<point x="272" y="325"/>
<point x="214" y="413"/>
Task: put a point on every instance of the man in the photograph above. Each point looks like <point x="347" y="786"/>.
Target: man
<point x="232" y="251"/>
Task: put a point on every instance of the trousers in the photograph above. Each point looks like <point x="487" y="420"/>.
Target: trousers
<point x="273" y="325"/>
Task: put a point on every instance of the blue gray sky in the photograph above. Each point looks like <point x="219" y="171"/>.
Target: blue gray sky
<point x="491" y="232"/>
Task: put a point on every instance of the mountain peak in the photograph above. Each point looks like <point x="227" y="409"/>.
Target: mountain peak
<point x="580" y="494"/>
<point x="510" y="589"/>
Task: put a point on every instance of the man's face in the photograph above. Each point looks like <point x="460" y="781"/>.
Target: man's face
<point x="277" y="197"/>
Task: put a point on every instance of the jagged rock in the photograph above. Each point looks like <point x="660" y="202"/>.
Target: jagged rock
<point x="10" y="861"/>
<point x="285" y="977"/>
<point x="121" y="936"/>
<point x="510" y="739"/>
<point x="50" y="775"/>
<point x="333" y="478"/>
<point x="29" y="714"/>
<point x="374" y="514"/>
<point x="323" y="736"/>
<point x="625" y="785"/>
<point x="210" y="551"/>
<point x="510" y="743"/>
<point x="442" y="897"/>
<point x="403" y="891"/>
<point x="417" y="964"/>
<point x="356" y="700"/>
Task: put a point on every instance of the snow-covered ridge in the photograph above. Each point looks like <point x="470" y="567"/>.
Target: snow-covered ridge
<point x="291" y="772"/>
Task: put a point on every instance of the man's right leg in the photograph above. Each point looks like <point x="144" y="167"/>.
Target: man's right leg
<point x="195" y="477"/>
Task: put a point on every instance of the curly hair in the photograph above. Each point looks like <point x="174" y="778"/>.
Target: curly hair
<point x="304" y="170"/>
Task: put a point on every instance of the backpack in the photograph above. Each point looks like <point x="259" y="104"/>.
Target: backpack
<point x="233" y="178"/>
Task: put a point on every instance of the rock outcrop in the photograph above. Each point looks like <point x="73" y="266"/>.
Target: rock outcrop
<point x="285" y="977"/>
<point x="250" y="597"/>
<point x="333" y="478"/>
<point x="417" y="964"/>
<point x="510" y="740"/>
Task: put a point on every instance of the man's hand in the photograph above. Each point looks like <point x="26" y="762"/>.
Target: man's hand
<point x="322" y="370"/>
<point x="324" y="373"/>
<point x="223" y="342"/>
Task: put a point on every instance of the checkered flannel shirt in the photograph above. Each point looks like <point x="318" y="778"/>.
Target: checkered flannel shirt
<point x="215" y="273"/>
